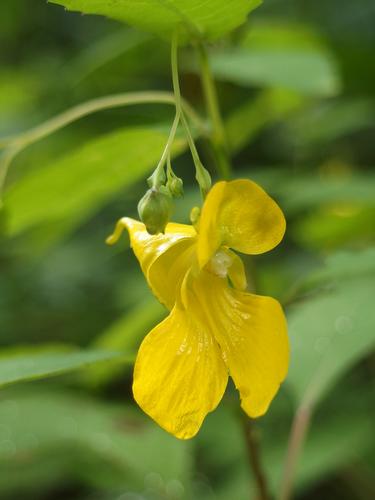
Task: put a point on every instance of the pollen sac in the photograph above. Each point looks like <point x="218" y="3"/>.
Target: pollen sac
<point x="155" y="209"/>
<point x="220" y="264"/>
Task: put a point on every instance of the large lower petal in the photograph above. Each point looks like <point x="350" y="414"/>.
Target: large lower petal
<point x="240" y="215"/>
<point x="252" y="333"/>
<point x="164" y="258"/>
<point x="179" y="375"/>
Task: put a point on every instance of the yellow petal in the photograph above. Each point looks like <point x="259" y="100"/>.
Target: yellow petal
<point x="236" y="272"/>
<point x="179" y="375"/>
<point x="164" y="258"/>
<point x="251" y="331"/>
<point x="167" y="272"/>
<point x="240" y="215"/>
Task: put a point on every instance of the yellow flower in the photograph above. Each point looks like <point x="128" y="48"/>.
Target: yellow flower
<point x="214" y="329"/>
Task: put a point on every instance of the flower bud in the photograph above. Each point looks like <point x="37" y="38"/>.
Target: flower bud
<point x="195" y="215"/>
<point x="204" y="179"/>
<point x="176" y="186"/>
<point x="154" y="210"/>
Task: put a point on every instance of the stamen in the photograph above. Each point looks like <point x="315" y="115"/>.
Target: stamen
<point x="220" y="264"/>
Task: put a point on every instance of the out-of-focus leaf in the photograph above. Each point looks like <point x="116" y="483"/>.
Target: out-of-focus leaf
<point x="19" y="91"/>
<point x="270" y="56"/>
<point x="194" y="18"/>
<point x="104" y="51"/>
<point x="343" y="439"/>
<point x="19" y="367"/>
<point x="331" y="227"/>
<point x="341" y="188"/>
<point x="108" y="445"/>
<point x="335" y="440"/>
<point x="70" y="190"/>
<point x="329" y="333"/>
<point x="344" y="265"/>
<point x="330" y="120"/>
<point x="255" y="114"/>
<point x="301" y="192"/>
<point x="124" y="335"/>
<point x="308" y="73"/>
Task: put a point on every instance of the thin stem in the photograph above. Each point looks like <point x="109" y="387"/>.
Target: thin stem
<point x="108" y="102"/>
<point x="6" y="159"/>
<point x="15" y="144"/>
<point x="252" y="446"/>
<point x="201" y="172"/>
<point x="219" y="140"/>
<point x="168" y="146"/>
<point x="170" y="172"/>
<point x="175" y="77"/>
<point x="300" y="426"/>
<point x="192" y="146"/>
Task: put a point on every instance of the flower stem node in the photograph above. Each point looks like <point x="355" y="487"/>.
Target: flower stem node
<point x="155" y="209"/>
<point x="158" y="178"/>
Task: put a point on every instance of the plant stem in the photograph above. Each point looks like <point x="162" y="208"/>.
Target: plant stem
<point x="95" y="105"/>
<point x="17" y="143"/>
<point x="252" y="446"/>
<point x="219" y="140"/>
<point x="6" y="159"/>
<point x="177" y="93"/>
<point x="172" y="134"/>
<point x="300" y="426"/>
<point x="201" y="172"/>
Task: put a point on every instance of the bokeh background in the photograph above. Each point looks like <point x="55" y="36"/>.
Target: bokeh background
<point x="297" y="90"/>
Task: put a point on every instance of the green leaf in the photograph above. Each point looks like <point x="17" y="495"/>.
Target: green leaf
<point x="329" y="333"/>
<point x="344" y="438"/>
<point x="343" y="190"/>
<point x="35" y="365"/>
<point x="336" y="225"/>
<point x="301" y="192"/>
<point x="75" y="438"/>
<point x="344" y="435"/>
<point x="280" y="57"/>
<point x="345" y="265"/>
<point x="254" y="115"/>
<point x="194" y="19"/>
<point x="330" y="120"/>
<point x="69" y="190"/>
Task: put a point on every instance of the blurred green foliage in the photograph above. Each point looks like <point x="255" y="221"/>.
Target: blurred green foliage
<point x="297" y="89"/>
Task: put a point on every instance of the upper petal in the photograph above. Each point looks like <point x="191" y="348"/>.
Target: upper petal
<point x="179" y="375"/>
<point x="164" y="258"/>
<point x="252" y="333"/>
<point x="239" y="214"/>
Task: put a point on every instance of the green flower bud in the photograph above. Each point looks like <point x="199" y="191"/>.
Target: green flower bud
<point x="204" y="179"/>
<point x="154" y="210"/>
<point x="195" y="215"/>
<point x="176" y="186"/>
